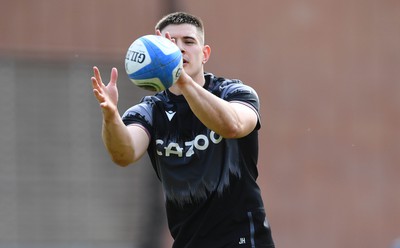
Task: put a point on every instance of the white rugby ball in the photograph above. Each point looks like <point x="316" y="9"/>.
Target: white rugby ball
<point x="153" y="62"/>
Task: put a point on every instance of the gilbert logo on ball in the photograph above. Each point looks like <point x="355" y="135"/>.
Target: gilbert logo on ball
<point x="153" y="62"/>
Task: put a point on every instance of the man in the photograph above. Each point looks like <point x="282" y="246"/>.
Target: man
<point x="201" y="137"/>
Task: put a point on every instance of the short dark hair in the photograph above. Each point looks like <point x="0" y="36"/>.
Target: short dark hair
<point x="181" y="18"/>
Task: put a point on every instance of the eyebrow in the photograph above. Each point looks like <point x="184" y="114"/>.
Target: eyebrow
<point x="191" y="37"/>
<point x="187" y="37"/>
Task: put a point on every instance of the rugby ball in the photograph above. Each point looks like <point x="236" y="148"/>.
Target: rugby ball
<point x="153" y="62"/>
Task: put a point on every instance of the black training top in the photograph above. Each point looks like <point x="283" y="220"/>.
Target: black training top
<point x="212" y="199"/>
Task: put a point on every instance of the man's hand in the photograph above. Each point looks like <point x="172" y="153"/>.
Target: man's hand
<point x="107" y="96"/>
<point x="167" y="35"/>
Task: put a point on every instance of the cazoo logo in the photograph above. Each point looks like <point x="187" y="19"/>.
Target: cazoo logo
<point x="200" y="142"/>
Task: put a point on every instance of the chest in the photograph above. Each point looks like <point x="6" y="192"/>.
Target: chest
<point x="175" y="121"/>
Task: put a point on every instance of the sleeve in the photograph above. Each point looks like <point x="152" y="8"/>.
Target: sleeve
<point x="239" y="92"/>
<point x="141" y="114"/>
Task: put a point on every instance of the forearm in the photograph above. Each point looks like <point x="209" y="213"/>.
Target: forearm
<point x="117" y="140"/>
<point x="214" y="112"/>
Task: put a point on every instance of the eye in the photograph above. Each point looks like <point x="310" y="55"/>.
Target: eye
<point x="190" y="41"/>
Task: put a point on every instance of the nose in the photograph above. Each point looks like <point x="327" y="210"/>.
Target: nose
<point x="180" y="45"/>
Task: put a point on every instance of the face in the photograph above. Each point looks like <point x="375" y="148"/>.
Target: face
<point x="195" y="54"/>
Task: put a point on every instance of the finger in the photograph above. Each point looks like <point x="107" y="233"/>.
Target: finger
<point x="100" y="97"/>
<point x="169" y="37"/>
<point x="95" y="84"/>
<point x="97" y="75"/>
<point x="114" y="76"/>
<point x="95" y="70"/>
<point x="158" y="32"/>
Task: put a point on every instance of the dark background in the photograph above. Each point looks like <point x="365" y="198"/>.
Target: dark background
<point x="328" y="76"/>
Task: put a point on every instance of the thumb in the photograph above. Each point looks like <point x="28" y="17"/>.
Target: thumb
<point x="114" y="76"/>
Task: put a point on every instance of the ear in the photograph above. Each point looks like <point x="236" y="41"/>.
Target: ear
<point x="206" y="53"/>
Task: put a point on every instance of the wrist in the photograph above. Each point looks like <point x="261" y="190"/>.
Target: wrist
<point x="110" y="115"/>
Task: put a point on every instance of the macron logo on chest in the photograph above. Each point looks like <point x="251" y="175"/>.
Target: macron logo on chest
<point x="170" y="114"/>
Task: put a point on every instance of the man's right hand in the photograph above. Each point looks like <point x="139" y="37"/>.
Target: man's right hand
<point x="107" y="96"/>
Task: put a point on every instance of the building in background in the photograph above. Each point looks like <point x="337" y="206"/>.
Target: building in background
<point x="328" y="77"/>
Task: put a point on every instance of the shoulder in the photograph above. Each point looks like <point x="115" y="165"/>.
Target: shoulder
<point x="143" y="111"/>
<point x="216" y="83"/>
<point x="230" y="89"/>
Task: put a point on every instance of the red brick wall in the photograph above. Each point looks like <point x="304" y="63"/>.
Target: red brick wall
<point x="327" y="73"/>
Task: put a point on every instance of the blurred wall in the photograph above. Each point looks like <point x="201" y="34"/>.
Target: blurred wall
<point x="327" y="73"/>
